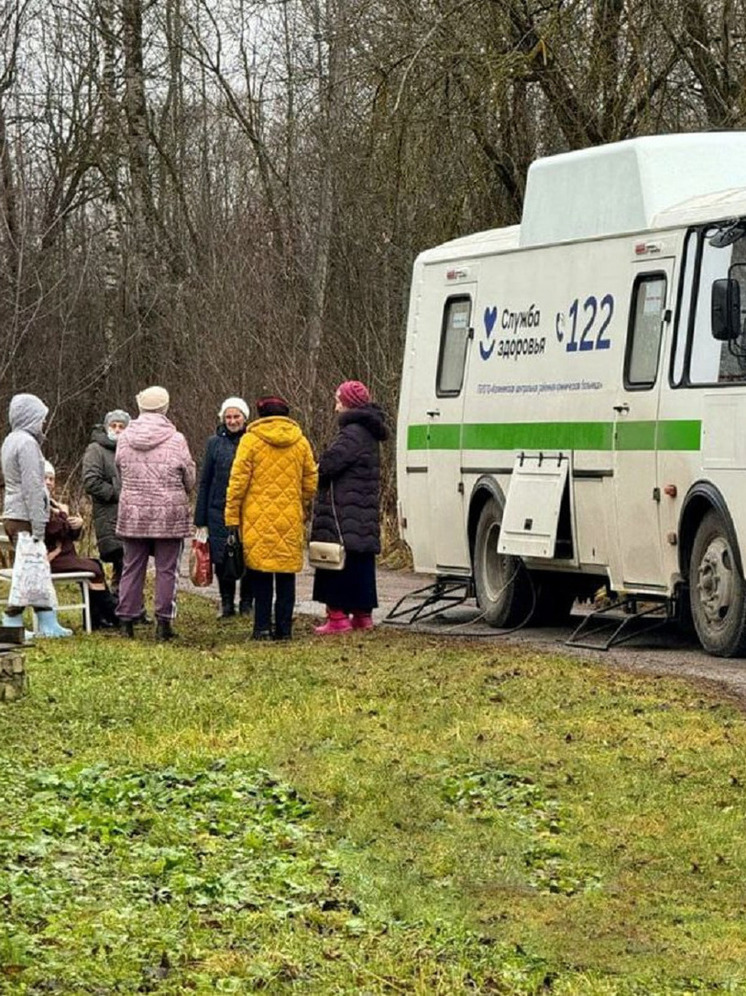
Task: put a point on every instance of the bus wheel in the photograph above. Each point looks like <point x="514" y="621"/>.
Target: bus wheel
<point x="716" y="590"/>
<point x="502" y="583"/>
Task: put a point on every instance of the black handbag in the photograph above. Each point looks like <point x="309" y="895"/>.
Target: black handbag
<point x="233" y="564"/>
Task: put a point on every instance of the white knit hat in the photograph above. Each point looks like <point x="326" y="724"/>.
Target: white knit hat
<point x="49" y="470"/>
<point x="153" y="399"/>
<point x="238" y="403"/>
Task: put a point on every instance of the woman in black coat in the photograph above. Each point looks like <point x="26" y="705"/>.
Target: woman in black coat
<point x="347" y="508"/>
<point x="102" y="485"/>
<point x="210" y="510"/>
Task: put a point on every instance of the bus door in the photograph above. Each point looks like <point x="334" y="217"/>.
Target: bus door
<point x="444" y="417"/>
<point x="636" y="429"/>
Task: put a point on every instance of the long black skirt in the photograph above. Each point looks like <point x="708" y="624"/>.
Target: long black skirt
<point x="353" y="589"/>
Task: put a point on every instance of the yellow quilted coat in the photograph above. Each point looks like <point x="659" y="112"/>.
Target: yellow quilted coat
<point x="273" y="474"/>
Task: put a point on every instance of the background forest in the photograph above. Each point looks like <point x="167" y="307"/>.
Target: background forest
<point x="226" y="196"/>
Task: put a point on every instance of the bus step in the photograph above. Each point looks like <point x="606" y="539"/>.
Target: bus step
<point x="423" y="603"/>
<point x="603" y="628"/>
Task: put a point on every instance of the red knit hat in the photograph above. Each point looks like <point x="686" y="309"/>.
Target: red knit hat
<point x="272" y="404"/>
<point x="353" y="394"/>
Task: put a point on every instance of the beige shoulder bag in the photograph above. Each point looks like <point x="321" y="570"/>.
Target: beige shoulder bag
<point x="328" y="556"/>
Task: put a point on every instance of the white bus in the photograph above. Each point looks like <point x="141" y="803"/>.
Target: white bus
<point x="574" y="389"/>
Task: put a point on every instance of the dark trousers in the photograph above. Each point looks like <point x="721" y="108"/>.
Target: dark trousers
<point x="116" y="559"/>
<point x="284" y="589"/>
<point x="227" y="588"/>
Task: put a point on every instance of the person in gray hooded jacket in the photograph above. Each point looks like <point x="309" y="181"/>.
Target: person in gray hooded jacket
<point x="26" y="507"/>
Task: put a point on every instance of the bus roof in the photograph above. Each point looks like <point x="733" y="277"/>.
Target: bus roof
<point x="708" y="207"/>
<point x="626" y="188"/>
<point x="478" y="244"/>
<point x="623" y="186"/>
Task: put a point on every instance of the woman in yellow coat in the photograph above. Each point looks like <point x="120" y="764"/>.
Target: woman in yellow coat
<point x="273" y="476"/>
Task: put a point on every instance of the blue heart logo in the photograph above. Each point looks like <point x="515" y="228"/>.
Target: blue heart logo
<point x="490" y="317"/>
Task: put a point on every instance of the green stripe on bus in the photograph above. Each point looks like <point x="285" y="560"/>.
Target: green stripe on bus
<point x="536" y="435"/>
<point x="417" y="437"/>
<point x="636" y="435"/>
<point x="679" y="434"/>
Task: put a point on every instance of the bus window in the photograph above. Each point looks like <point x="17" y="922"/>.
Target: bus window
<point x="686" y="290"/>
<point x="453" y="341"/>
<point x="733" y="354"/>
<point x="643" y="344"/>
<point x="707" y="353"/>
<point x="712" y="361"/>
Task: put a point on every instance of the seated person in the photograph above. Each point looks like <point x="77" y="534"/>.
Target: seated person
<point x="61" y="532"/>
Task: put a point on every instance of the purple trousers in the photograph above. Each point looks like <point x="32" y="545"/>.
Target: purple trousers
<point x="167" y="555"/>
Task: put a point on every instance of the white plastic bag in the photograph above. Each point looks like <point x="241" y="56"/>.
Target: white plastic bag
<point x="32" y="578"/>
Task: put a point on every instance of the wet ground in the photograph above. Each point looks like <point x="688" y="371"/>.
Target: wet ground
<point x="662" y="651"/>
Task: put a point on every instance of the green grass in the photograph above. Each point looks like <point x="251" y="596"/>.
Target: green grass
<point x="389" y="813"/>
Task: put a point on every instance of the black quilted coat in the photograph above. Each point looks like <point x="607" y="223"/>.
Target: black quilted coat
<point x="352" y="465"/>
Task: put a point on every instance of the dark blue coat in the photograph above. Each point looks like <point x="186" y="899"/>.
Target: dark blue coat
<point x="351" y="466"/>
<point x="213" y="485"/>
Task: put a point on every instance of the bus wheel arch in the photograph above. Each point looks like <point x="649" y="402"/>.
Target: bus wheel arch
<point x="503" y="586"/>
<point x="484" y="489"/>
<point x="701" y="498"/>
<point x="711" y="562"/>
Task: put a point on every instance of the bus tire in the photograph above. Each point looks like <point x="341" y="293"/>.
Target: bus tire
<point x="716" y="590"/>
<point x="502" y="583"/>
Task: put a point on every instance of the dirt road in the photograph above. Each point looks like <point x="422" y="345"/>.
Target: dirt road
<point x="662" y="652"/>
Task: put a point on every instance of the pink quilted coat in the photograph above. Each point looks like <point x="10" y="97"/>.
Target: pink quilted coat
<point x="157" y="474"/>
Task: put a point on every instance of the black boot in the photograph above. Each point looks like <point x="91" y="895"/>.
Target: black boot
<point x="127" y="628"/>
<point x="163" y="630"/>
<point x="110" y="608"/>
<point x="102" y="610"/>
<point x="227" y="588"/>
<point x="246" y="594"/>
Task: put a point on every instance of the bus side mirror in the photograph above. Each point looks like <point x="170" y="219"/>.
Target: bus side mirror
<point x="726" y="309"/>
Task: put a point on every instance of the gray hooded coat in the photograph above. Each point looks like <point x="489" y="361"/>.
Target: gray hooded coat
<point x="23" y="464"/>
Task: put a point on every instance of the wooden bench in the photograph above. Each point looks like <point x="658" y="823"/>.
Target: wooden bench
<point x="81" y="578"/>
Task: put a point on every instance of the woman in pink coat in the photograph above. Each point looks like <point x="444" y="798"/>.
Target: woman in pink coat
<point x="157" y="472"/>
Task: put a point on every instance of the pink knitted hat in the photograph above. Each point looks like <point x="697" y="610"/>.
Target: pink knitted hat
<point x="353" y="394"/>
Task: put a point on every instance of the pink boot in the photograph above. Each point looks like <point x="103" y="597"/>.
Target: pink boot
<point x="362" y="620"/>
<point x="336" y="622"/>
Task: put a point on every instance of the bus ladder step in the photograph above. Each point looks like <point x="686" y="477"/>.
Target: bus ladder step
<point x="423" y="603"/>
<point x="600" y="631"/>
